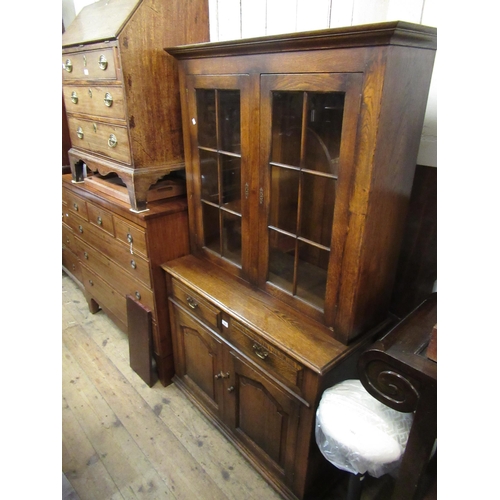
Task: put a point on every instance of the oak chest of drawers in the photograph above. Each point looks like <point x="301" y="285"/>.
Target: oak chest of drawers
<point x="120" y="89"/>
<point x="112" y="252"/>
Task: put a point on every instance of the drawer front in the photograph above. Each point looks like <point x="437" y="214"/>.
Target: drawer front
<point x="89" y="65"/>
<point x="103" y="101"/>
<point x="100" y="218"/>
<point x="131" y="235"/>
<point x="103" y="138"/>
<point x="113" y="274"/>
<point x="104" y="294"/>
<point x="198" y="306"/>
<point x="68" y="239"/>
<point x="264" y="354"/>
<point x="71" y="263"/>
<point x="74" y="204"/>
<point x="135" y="265"/>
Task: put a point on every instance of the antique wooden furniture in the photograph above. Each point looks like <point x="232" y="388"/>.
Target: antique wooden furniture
<point x="300" y="154"/>
<point x="398" y="371"/>
<point x="113" y="252"/>
<point x="121" y="92"/>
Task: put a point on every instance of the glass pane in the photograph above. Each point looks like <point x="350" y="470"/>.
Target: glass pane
<point x="229" y="121"/>
<point x="209" y="176"/>
<point x="231" y="241"/>
<point x="231" y="182"/>
<point x="207" y="129"/>
<point x="284" y="198"/>
<point x="324" y="127"/>
<point x="281" y="259"/>
<point x="286" y="127"/>
<point x="211" y="227"/>
<point x="312" y="273"/>
<point x="318" y="200"/>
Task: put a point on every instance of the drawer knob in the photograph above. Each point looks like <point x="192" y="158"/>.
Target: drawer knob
<point x="230" y="389"/>
<point x="68" y="66"/>
<point x="75" y="206"/>
<point x="260" y="351"/>
<point x="129" y="238"/>
<point x="112" y="141"/>
<point x="99" y="221"/>
<point x="79" y="132"/>
<point x="80" y="228"/>
<point x="74" y="97"/>
<point x="133" y="264"/>
<point x="91" y="283"/>
<point x="86" y="255"/>
<point x="137" y="295"/>
<point x="90" y="93"/>
<point x="103" y="63"/>
<point x="108" y="99"/>
<point x="191" y="302"/>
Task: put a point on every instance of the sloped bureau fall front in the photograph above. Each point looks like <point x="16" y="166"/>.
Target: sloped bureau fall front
<point x="300" y="155"/>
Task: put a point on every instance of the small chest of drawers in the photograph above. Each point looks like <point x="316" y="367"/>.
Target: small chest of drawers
<point x="112" y="252"/>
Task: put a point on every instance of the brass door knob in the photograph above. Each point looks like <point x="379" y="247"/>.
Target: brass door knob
<point x="79" y="132"/>
<point x="103" y="63"/>
<point x="68" y="66"/>
<point x="74" y="97"/>
<point x="108" y="99"/>
<point x="112" y="141"/>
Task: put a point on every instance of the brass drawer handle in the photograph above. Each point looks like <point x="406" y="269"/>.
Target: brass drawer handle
<point x="222" y="375"/>
<point x="112" y="141"/>
<point x="91" y="283"/>
<point x="108" y="99"/>
<point x="260" y="351"/>
<point x="129" y="238"/>
<point x="103" y="63"/>
<point x="99" y="220"/>
<point x="74" y="97"/>
<point x="75" y="206"/>
<point x="68" y="65"/>
<point x="79" y="132"/>
<point x="85" y="255"/>
<point x="80" y="228"/>
<point x="133" y="264"/>
<point x="191" y="302"/>
<point x="230" y="389"/>
<point x="137" y="295"/>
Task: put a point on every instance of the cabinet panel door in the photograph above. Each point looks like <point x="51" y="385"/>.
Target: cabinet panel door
<point x="308" y="134"/>
<point x="198" y="360"/>
<point x="262" y="416"/>
<point x="220" y="156"/>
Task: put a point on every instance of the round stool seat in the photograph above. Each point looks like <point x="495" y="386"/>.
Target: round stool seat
<point x="359" y="434"/>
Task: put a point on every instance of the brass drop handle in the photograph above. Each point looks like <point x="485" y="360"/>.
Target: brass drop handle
<point x="222" y="375"/>
<point x="112" y="141"/>
<point x="108" y="99"/>
<point x="68" y="65"/>
<point x="133" y="264"/>
<point x="103" y="63"/>
<point x="191" y="302"/>
<point x="75" y="206"/>
<point x="230" y="389"/>
<point x="74" y="97"/>
<point x="129" y="238"/>
<point x="99" y="220"/>
<point x="85" y="255"/>
<point x="137" y="295"/>
<point x="80" y="228"/>
<point x="260" y="351"/>
<point x="91" y="283"/>
<point x="79" y="132"/>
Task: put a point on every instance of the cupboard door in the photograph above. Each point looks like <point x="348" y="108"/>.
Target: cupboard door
<point x="219" y="115"/>
<point x="198" y="360"/>
<point x="262" y="416"/>
<point x="308" y="132"/>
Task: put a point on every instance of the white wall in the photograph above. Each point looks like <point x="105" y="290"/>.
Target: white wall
<point x="233" y="19"/>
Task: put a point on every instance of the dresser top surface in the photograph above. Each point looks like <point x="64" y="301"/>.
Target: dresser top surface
<point x="102" y="20"/>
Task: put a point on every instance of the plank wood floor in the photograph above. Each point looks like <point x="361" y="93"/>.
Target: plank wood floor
<point x="124" y="440"/>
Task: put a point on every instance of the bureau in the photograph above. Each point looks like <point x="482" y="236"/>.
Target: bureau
<point x="112" y="252"/>
<point x="120" y="89"/>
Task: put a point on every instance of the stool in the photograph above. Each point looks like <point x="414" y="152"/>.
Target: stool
<point x="359" y="434"/>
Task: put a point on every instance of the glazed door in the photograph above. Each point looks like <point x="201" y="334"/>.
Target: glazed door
<point x="308" y="133"/>
<point x="220" y="130"/>
<point x="262" y="416"/>
<point x="198" y="360"/>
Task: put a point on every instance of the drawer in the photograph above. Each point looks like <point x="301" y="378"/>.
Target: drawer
<point x="103" y="101"/>
<point x="99" y="137"/>
<point x="101" y="218"/>
<point x="71" y="263"/>
<point x="68" y="239"/>
<point x="270" y="358"/>
<point x="99" y="64"/>
<point x="198" y="306"/>
<point x="135" y="265"/>
<point x="131" y="235"/>
<point x="74" y="204"/>
<point x="113" y="274"/>
<point x="104" y="294"/>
